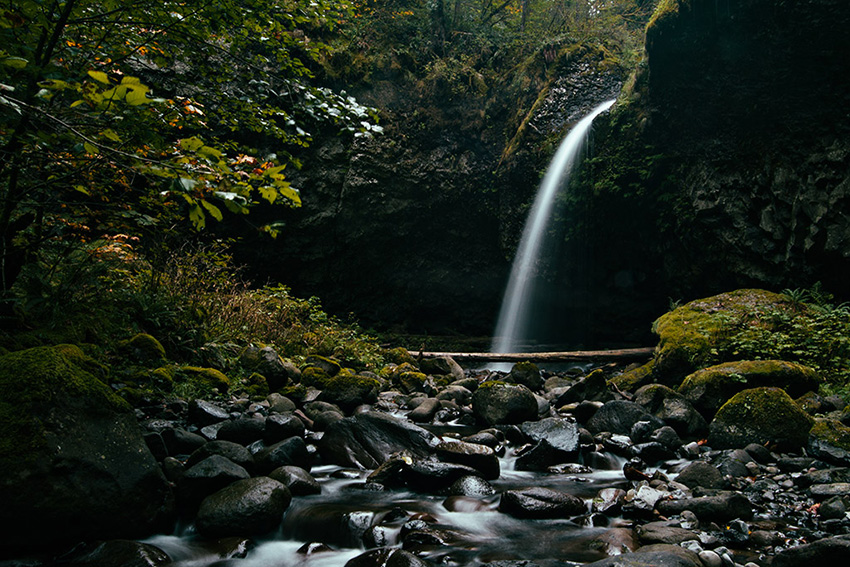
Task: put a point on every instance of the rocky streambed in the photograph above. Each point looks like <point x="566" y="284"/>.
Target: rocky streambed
<point x="441" y="466"/>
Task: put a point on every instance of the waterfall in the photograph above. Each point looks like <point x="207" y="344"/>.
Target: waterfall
<point x="513" y="324"/>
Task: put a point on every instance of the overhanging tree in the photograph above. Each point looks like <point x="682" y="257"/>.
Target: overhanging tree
<point x="116" y="115"/>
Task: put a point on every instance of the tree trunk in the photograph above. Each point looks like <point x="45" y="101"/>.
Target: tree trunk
<point x="620" y="355"/>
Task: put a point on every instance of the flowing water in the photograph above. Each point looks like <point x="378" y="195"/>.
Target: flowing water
<point x="513" y="327"/>
<point x="473" y="530"/>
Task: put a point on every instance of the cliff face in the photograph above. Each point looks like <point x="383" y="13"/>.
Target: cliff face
<point x="750" y="101"/>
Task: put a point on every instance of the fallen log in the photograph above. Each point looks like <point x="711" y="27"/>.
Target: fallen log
<point x="617" y="355"/>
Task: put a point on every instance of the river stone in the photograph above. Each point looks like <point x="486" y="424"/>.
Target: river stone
<point x="498" y="403"/>
<point x="593" y="388"/>
<point x="619" y="416"/>
<point x="243" y="431"/>
<point x="561" y="434"/>
<point x="348" y="392"/>
<point x="722" y="507"/>
<point x="203" y="413"/>
<point x="526" y="374"/>
<point x="456" y="393"/>
<point x="74" y="463"/>
<point x="657" y="555"/>
<point x="763" y="416"/>
<point x="700" y="473"/>
<point x="538" y="503"/>
<point x="207" y="477"/>
<point x="829" y="551"/>
<point x="425" y="411"/>
<point x="228" y="449"/>
<point x="470" y="485"/>
<point x="368" y="439"/>
<point x="672" y="408"/>
<point x="480" y="457"/>
<point x="829" y="440"/>
<point x="442" y="366"/>
<point x="386" y="557"/>
<point x="297" y="480"/>
<point x="292" y="451"/>
<point x="282" y="426"/>
<point x="278" y="403"/>
<point x="609" y="501"/>
<point x="253" y="506"/>
<point x="125" y="553"/>
<point x="663" y="532"/>
<point x="182" y="442"/>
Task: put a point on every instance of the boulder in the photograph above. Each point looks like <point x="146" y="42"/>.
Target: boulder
<point x="281" y="426"/>
<point x="829" y="440"/>
<point x="708" y="389"/>
<point x="526" y="374"/>
<point x="348" y="392"/>
<point x="619" y="416"/>
<point x="480" y="457"/>
<point x="292" y="451"/>
<point x="253" y="506"/>
<point x="233" y="451"/>
<point x="498" y="403"/>
<point x="243" y="431"/>
<point x="425" y="411"/>
<point x="442" y="366"/>
<point x="126" y="553"/>
<point x="721" y="507"/>
<point x="700" y="473"/>
<point x="297" y="480"/>
<point x="386" y="557"/>
<point x="368" y="439"/>
<point x="205" y="478"/>
<point x="203" y="413"/>
<point x="660" y="555"/>
<point x="763" y="416"/>
<point x="538" y="503"/>
<point x="594" y="388"/>
<point x="673" y="409"/>
<point x="828" y="551"/>
<point x="73" y="459"/>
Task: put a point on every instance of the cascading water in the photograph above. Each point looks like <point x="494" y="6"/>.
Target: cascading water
<point x="513" y="326"/>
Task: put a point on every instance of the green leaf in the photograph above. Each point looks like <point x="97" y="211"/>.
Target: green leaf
<point x="192" y="144"/>
<point x="135" y="97"/>
<point x="214" y="211"/>
<point x="90" y="148"/>
<point x="291" y="194"/>
<point x="268" y="193"/>
<point x="99" y="76"/>
<point x="197" y="217"/>
<point x="111" y="135"/>
<point x="208" y="152"/>
<point x="14" y="62"/>
<point x="82" y="189"/>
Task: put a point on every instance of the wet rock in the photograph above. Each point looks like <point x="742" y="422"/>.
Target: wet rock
<point x="700" y="473"/>
<point x="479" y="457"/>
<point x="561" y="434"/>
<point x="829" y="440"/>
<point x="498" y="403"/>
<point x="667" y="436"/>
<point x="593" y="388"/>
<point x="431" y="476"/>
<point x="526" y="374"/>
<point x="367" y="440"/>
<point x="619" y="416"/>
<point x="292" y="451"/>
<point x="297" y="480"/>
<point x="442" y="366"/>
<point x="609" y="501"/>
<point x="125" y="553"/>
<point x="735" y="464"/>
<point x="710" y="558"/>
<point x="182" y="442"/>
<point x="252" y="506"/>
<point x="279" y="403"/>
<point x="243" y="431"/>
<point x="312" y="548"/>
<point x="486" y="438"/>
<point x="424" y="411"/>
<point x="233" y="451"/>
<point x="473" y="486"/>
<point x="282" y="426"/>
<point x="759" y="453"/>
<point x="672" y="408"/>
<point x="386" y="557"/>
<point x="458" y="394"/>
<point x="73" y="459"/>
<point x="760" y="415"/>
<point x="641" y="501"/>
<point x="659" y="555"/>
<point x="833" y="508"/>
<point x="538" y="502"/>
<point x="722" y="507"/>
<point x="207" y="477"/>
<point x="663" y="532"/>
<point x="823" y="491"/>
<point x="348" y="392"/>
<point x="652" y="452"/>
<point x="827" y="551"/>
<point x="203" y="413"/>
<point x="155" y="445"/>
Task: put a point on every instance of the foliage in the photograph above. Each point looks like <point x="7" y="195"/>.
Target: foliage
<point x="86" y="148"/>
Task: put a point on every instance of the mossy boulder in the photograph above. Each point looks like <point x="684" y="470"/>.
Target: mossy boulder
<point x="73" y="459"/>
<point x="525" y="373"/>
<point x="400" y="355"/>
<point x="314" y="377"/>
<point x="265" y="360"/>
<point x="708" y="389"/>
<point x="329" y="365"/>
<point x="349" y="391"/>
<point x="766" y="416"/>
<point x="256" y="386"/>
<point x="200" y="382"/>
<point x="829" y="440"/>
<point x="143" y="348"/>
<point x="635" y="378"/>
<point x="411" y="382"/>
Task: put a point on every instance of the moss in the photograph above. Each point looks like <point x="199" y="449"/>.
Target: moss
<point x="711" y="387"/>
<point x="760" y="415"/>
<point x="143" y="348"/>
<point x="664" y="14"/>
<point x="348" y="391"/>
<point x="634" y="379"/>
<point x="315" y="377"/>
<point x="400" y="355"/>
<point x="411" y="382"/>
<point x="691" y="336"/>
<point x="832" y="432"/>
<point x="30" y="382"/>
<point x="76" y="355"/>
<point x="256" y="386"/>
<point x="295" y="392"/>
<point x="199" y="382"/>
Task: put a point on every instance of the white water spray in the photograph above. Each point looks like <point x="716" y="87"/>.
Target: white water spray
<point x="513" y="325"/>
